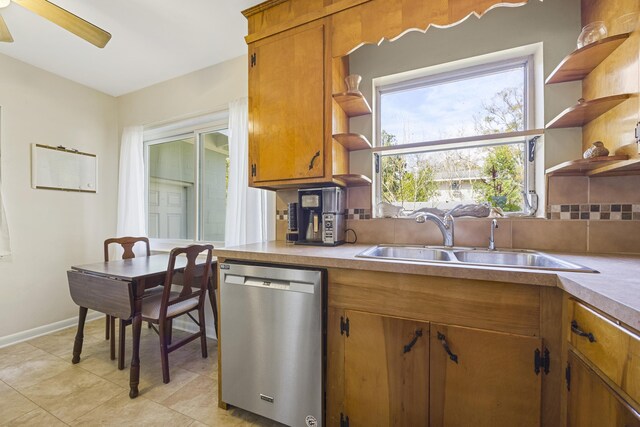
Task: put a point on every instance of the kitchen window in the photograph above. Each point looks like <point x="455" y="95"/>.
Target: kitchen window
<point x="187" y="169"/>
<point x="456" y="137"/>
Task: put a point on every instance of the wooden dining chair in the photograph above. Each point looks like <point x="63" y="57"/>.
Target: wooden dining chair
<point x="127" y="244"/>
<point x="161" y="309"/>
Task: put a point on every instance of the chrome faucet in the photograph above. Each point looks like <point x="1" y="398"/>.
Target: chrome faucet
<point x="492" y="242"/>
<point x="445" y="225"/>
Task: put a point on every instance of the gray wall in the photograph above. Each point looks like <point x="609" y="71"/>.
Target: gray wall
<point x="556" y="23"/>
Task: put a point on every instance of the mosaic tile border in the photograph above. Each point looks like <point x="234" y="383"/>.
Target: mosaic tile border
<point x="601" y="211"/>
<point x="283" y="214"/>
<point x="358" y="213"/>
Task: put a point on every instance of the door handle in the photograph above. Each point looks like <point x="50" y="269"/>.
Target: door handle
<point x="576" y="330"/>
<point x="445" y="345"/>
<point x="408" y="347"/>
<point x="313" y="159"/>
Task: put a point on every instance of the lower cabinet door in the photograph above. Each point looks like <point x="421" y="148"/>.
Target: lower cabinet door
<point x="481" y="378"/>
<point x="386" y="366"/>
<point x="592" y="403"/>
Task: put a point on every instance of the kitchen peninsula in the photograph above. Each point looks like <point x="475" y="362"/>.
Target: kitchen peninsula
<point x="497" y="320"/>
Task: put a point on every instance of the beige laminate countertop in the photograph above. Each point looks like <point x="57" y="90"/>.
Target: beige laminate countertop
<point x="614" y="290"/>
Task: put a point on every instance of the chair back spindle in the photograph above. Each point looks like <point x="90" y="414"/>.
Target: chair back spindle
<point x="193" y="279"/>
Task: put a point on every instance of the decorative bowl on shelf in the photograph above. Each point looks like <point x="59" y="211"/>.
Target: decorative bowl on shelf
<point x="591" y="33"/>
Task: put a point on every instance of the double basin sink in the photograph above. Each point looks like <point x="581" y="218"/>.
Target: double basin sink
<point x="471" y="256"/>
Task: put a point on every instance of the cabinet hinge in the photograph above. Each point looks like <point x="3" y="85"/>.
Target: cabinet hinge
<point x="344" y="326"/>
<point x="344" y="421"/>
<point x="541" y="360"/>
<point x="253" y="169"/>
<point x="253" y="60"/>
<point x="567" y="376"/>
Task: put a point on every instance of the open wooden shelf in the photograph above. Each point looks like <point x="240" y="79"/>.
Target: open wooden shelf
<point x="582" y="113"/>
<point x="352" y="141"/>
<point x="623" y="167"/>
<point x="581" y="62"/>
<point x="584" y="166"/>
<point x="353" y="103"/>
<point x="353" y="180"/>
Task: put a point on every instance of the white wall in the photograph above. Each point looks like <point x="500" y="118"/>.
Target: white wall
<point x="50" y="230"/>
<point x="202" y="91"/>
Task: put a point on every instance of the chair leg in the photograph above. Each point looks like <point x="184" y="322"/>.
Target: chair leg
<point x="112" y="332"/>
<point x="164" y="351"/>
<point x="121" y="344"/>
<point x="107" y="326"/>
<point x="169" y="331"/>
<point x="203" y="332"/>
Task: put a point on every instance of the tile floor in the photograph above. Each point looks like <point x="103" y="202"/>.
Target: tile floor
<point x="40" y="387"/>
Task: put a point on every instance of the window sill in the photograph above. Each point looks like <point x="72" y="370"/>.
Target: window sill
<point x="166" y="245"/>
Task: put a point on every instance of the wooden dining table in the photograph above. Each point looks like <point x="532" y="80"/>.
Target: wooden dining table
<point x="116" y="288"/>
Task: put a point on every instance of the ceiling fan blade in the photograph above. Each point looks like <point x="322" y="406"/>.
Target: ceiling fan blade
<point x="68" y="21"/>
<point x="5" y="35"/>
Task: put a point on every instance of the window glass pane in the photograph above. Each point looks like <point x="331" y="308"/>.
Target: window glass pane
<point x="171" y="189"/>
<point x="443" y="179"/>
<point x="214" y="182"/>
<point x="480" y="104"/>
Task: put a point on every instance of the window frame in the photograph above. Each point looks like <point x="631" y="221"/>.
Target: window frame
<point x="192" y="128"/>
<point x="449" y="72"/>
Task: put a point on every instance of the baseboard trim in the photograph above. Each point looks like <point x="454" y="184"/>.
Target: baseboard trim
<point x="46" y="329"/>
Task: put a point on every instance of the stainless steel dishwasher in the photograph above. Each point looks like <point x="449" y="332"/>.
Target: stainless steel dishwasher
<point x="273" y="341"/>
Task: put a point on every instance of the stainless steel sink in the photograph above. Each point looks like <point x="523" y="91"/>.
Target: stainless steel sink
<point x="411" y="253"/>
<point x="522" y="259"/>
<point x="470" y="256"/>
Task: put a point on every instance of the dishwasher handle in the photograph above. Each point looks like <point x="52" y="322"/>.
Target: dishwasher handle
<point x="282" y="285"/>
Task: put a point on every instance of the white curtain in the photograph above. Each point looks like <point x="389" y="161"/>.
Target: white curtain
<point x="131" y="209"/>
<point x="247" y="211"/>
<point x="5" y="243"/>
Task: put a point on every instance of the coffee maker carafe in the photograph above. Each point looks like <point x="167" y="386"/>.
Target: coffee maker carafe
<point x="321" y="216"/>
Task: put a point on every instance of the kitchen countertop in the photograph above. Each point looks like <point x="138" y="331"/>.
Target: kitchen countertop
<point x="614" y="290"/>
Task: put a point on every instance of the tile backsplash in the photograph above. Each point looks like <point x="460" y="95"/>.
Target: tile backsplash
<point x="583" y="215"/>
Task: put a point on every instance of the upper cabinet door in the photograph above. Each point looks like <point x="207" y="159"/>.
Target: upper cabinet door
<point x="286" y="106"/>
<point x="481" y="378"/>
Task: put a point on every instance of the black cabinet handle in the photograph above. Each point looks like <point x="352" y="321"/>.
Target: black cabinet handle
<point x="418" y="334"/>
<point x="443" y="341"/>
<point x="313" y="159"/>
<point x="576" y="330"/>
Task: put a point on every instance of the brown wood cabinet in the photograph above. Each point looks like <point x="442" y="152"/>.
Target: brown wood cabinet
<point x="592" y="403"/>
<point x="402" y="372"/>
<point x="286" y="106"/>
<point x="603" y="369"/>
<point x="483" y="378"/>
<point x="396" y="357"/>
<point x="386" y="371"/>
